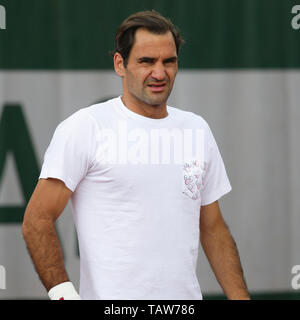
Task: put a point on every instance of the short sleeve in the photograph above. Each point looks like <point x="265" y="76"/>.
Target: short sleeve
<point x="215" y="180"/>
<point x="71" y="150"/>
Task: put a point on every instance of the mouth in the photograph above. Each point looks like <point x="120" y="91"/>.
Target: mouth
<point x="157" y="87"/>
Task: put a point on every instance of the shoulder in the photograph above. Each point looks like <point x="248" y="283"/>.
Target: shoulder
<point x="87" y="116"/>
<point x="189" y="117"/>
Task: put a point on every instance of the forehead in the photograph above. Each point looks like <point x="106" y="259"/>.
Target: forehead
<point x="151" y="44"/>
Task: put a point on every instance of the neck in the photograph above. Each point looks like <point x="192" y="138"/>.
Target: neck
<point x="144" y="109"/>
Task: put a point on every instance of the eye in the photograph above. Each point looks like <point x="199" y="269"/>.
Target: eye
<point x="172" y="60"/>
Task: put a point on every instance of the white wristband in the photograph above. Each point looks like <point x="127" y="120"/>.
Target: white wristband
<point x="63" y="291"/>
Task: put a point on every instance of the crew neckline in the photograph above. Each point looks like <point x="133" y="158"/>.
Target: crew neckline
<point x="132" y="114"/>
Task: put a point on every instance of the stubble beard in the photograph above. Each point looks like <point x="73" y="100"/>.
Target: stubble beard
<point x="155" y="99"/>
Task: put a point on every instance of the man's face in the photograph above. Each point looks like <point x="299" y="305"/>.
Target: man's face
<point x="151" y="69"/>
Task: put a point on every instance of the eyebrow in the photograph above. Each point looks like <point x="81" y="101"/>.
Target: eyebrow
<point x="146" y="59"/>
<point x="149" y="59"/>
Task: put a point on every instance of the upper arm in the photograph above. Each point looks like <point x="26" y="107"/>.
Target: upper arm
<point x="211" y="219"/>
<point x="48" y="200"/>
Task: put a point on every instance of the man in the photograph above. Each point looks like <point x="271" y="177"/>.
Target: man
<point x="139" y="206"/>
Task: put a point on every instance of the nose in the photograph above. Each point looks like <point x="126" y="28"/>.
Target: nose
<point x="159" y="72"/>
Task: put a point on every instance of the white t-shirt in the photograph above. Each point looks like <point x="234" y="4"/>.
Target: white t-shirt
<point x="138" y="185"/>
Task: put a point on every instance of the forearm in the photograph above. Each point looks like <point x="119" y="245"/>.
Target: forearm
<point x="45" y="250"/>
<point x="222" y="254"/>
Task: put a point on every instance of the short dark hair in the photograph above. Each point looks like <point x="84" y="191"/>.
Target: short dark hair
<point x="150" y="20"/>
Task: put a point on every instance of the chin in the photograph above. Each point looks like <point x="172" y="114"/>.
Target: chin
<point x="156" y="102"/>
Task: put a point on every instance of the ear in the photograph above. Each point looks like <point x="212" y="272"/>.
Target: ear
<point x="119" y="64"/>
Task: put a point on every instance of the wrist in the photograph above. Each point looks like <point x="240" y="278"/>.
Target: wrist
<point x="64" y="291"/>
<point x="242" y="296"/>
